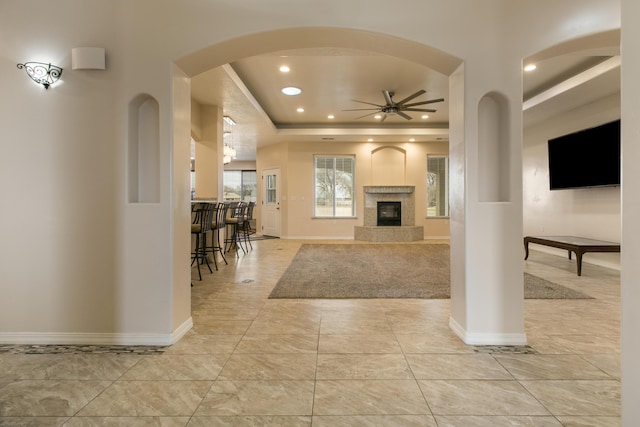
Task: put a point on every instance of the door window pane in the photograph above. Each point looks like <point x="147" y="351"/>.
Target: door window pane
<point x="271" y="189"/>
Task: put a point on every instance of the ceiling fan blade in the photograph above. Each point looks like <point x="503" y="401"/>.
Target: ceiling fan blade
<point x="370" y="103"/>
<point x="431" y="101"/>
<point x="424" y="110"/>
<point x="410" y="97"/>
<point x="387" y="97"/>
<point x="406" y="116"/>
<point x="363" y="109"/>
<point x="370" y="114"/>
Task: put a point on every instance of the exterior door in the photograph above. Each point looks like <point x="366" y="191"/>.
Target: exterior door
<point x="271" y="202"/>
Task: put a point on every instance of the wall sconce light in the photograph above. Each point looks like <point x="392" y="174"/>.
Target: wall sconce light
<point x="42" y="73"/>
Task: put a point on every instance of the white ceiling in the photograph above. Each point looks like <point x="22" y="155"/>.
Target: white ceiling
<point x="249" y="91"/>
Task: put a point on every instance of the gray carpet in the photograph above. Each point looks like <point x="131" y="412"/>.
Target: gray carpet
<point x="390" y="270"/>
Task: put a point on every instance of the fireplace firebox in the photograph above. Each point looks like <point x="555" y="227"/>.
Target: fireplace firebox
<point x="389" y="214"/>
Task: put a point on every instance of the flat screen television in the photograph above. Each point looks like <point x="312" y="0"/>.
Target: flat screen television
<point x="588" y="158"/>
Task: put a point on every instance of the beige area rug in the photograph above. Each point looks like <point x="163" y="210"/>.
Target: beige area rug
<point x="391" y="270"/>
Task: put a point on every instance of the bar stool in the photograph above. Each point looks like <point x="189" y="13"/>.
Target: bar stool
<point x="245" y="230"/>
<point x="235" y="221"/>
<point x="219" y="224"/>
<point x="200" y="226"/>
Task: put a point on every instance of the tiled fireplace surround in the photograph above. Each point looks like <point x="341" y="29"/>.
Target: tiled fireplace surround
<point x="406" y="232"/>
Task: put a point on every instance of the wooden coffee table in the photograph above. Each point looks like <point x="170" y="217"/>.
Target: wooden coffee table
<point x="578" y="245"/>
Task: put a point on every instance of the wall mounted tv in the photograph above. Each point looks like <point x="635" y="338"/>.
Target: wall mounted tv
<point x="588" y="158"/>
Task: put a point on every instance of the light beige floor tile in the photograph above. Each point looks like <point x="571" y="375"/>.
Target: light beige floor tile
<point x="588" y="344"/>
<point x="250" y="421"/>
<point x="278" y="344"/>
<point x="456" y="366"/>
<point x="580" y="397"/>
<point x="32" y="421"/>
<point x="488" y="421"/>
<point x="354" y="326"/>
<point x="47" y="397"/>
<point x="65" y="366"/>
<point x="279" y="326"/>
<point x="467" y="397"/>
<point x="148" y="398"/>
<point x="127" y="421"/>
<point x="359" y="344"/>
<point x="219" y="327"/>
<point x="433" y="343"/>
<point x="258" y="398"/>
<point x="177" y="367"/>
<point x="205" y="344"/>
<point x="551" y="367"/>
<point x="609" y="363"/>
<point x="363" y="366"/>
<point x="270" y="367"/>
<point x="368" y="397"/>
<point x="591" y="421"/>
<point x="374" y="421"/>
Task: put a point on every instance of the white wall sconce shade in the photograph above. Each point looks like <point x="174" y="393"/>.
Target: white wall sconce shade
<point x="41" y="72"/>
<point x="88" y="58"/>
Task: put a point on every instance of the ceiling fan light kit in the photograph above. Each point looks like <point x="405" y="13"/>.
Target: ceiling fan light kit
<point x="399" y="108"/>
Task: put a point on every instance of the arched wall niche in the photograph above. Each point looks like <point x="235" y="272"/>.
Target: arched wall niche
<point x="388" y="166"/>
<point x="493" y="148"/>
<point x="143" y="150"/>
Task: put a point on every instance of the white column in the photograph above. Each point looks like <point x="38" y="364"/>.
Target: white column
<point x="487" y="295"/>
<point x="209" y="154"/>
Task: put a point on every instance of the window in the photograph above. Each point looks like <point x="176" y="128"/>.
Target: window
<point x="437" y="186"/>
<point x="334" y="186"/>
<point x="240" y="185"/>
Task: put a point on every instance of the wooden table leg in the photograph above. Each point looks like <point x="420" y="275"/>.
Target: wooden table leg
<point x="579" y="261"/>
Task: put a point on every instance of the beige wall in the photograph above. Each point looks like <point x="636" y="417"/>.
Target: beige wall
<point x="569" y="212"/>
<point x="297" y="192"/>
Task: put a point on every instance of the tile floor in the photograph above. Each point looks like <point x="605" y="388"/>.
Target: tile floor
<point x="253" y="361"/>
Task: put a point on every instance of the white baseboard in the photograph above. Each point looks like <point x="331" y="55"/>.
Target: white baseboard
<point x="486" y="338"/>
<point x="85" y="338"/>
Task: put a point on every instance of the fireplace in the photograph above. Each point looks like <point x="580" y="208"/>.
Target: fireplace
<point x="389" y="214"/>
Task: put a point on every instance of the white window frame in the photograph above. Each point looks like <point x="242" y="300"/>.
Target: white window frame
<point x="334" y="208"/>
<point x="443" y="196"/>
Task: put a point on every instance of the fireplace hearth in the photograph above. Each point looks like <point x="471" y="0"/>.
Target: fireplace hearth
<point x="389" y="214"/>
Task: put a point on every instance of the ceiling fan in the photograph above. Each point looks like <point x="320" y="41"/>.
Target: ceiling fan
<point x="392" y="107"/>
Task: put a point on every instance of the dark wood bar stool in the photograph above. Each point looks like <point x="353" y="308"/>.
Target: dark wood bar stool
<point x="217" y="238"/>
<point x="201" y="225"/>
<point x="235" y="222"/>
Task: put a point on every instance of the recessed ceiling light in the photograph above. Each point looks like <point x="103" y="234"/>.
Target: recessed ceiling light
<point x="331" y="116"/>
<point x="291" y="91"/>
<point x="285" y="69"/>
<point x="425" y="116"/>
<point x="300" y="110"/>
<point x="412" y="140"/>
<point x="377" y="116"/>
<point x="530" y="67"/>
<point x="370" y="140"/>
